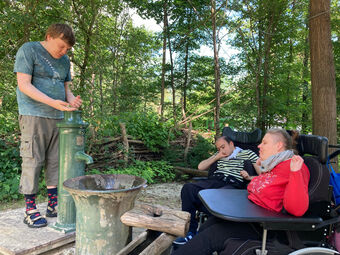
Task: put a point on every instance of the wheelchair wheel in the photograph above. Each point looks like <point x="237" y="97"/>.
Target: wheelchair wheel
<point x="314" y="250"/>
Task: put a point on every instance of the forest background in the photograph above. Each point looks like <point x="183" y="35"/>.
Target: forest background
<point x="160" y="85"/>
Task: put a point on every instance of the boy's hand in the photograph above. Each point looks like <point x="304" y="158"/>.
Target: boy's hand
<point x="76" y="102"/>
<point x="63" y="106"/>
<point x="245" y="175"/>
<point x="220" y="155"/>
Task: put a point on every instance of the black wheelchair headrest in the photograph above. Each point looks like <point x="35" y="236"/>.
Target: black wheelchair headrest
<point x="243" y="137"/>
<point x="314" y="145"/>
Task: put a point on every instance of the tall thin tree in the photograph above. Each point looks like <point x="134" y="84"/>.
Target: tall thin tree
<point x="217" y="70"/>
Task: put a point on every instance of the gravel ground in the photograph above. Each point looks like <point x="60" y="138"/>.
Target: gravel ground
<point x="165" y="194"/>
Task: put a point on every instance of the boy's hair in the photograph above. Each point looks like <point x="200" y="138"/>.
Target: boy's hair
<point x="227" y="139"/>
<point x="62" y="31"/>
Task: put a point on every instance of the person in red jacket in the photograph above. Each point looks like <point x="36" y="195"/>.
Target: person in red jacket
<point x="282" y="184"/>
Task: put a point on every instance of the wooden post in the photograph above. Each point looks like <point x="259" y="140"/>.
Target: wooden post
<point x="125" y="142"/>
<point x="188" y="142"/>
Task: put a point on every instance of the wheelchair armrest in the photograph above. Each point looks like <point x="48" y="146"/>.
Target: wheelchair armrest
<point x="334" y="154"/>
<point x="200" y="178"/>
<point x="234" y="205"/>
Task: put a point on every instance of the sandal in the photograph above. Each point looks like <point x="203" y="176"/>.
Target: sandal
<point x="52" y="211"/>
<point x="34" y="220"/>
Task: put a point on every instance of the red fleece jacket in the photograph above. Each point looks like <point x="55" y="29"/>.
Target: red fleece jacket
<point x="281" y="188"/>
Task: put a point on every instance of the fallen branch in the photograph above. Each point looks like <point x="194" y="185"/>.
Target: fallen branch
<point x="191" y="171"/>
<point x="183" y="122"/>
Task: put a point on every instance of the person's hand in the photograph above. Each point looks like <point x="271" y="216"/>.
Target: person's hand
<point x="76" y="102"/>
<point x="63" y="106"/>
<point x="220" y="155"/>
<point x="245" y="175"/>
<point x="296" y="163"/>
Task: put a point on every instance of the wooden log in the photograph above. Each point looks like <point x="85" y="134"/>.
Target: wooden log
<point x="108" y="140"/>
<point x="159" y="245"/>
<point x="136" y="141"/>
<point x="158" y="218"/>
<point x="140" y="151"/>
<point x="133" y="244"/>
<point x="191" y="171"/>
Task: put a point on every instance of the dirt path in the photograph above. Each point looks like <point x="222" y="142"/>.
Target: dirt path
<point x="165" y="194"/>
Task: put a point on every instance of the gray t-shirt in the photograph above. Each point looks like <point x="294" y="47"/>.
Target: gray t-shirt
<point x="48" y="76"/>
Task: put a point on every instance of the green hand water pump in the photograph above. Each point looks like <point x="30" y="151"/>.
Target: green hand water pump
<point x="72" y="160"/>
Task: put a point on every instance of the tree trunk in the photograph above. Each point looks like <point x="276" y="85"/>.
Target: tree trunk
<point x="87" y="31"/>
<point x="266" y="65"/>
<point x="92" y="94"/>
<point x="258" y="80"/>
<point x="289" y="90"/>
<point x="165" y="28"/>
<point x="101" y="91"/>
<point x="172" y="80"/>
<point x="305" y="89"/>
<point x="217" y="70"/>
<point x="322" y="71"/>
<point x="185" y="83"/>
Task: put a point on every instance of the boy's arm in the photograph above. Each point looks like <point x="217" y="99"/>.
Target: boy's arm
<point x="26" y="87"/>
<point x="74" y="101"/>
<point x="205" y="164"/>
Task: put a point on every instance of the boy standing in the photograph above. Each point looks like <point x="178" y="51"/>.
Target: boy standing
<point x="43" y="93"/>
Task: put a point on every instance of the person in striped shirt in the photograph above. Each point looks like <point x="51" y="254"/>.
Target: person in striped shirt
<point x="229" y="167"/>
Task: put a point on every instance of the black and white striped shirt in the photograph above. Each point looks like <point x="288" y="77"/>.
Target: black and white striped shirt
<point x="232" y="167"/>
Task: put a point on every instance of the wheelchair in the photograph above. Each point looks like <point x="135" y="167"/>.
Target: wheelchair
<point x="309" y="234"/>
<point x="244" y="140"/>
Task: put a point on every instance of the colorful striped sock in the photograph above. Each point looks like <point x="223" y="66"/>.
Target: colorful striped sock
<point x="52" y="197"/>
<point x="30" y="202"/>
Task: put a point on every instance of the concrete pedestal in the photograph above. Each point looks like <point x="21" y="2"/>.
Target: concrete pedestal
<point x="17" y="238"/>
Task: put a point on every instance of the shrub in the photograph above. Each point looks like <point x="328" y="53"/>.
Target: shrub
<point x="10" y="168"/>
<point x="152" y="171"/>
<point x="201" y="150"/>
<point x="144" y="126"/>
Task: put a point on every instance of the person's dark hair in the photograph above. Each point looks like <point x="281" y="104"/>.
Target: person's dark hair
<point x="227" y="139"/>
<point x="62" y="31"/>
<point x="294" y="134"/>
<point x="287" y="139"/>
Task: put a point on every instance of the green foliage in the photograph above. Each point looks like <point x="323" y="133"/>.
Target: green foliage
<point x="152" y="171"/>
<point x="140" y="125"/>
<point x="203" y="149"/>
<point x="174" y="154"/>
<point x="9" y="171"/>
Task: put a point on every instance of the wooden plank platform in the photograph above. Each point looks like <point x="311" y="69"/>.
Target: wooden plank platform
<point x="16" y="238"/>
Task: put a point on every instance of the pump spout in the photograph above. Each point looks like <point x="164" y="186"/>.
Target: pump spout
<point x="81" y="156"/>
